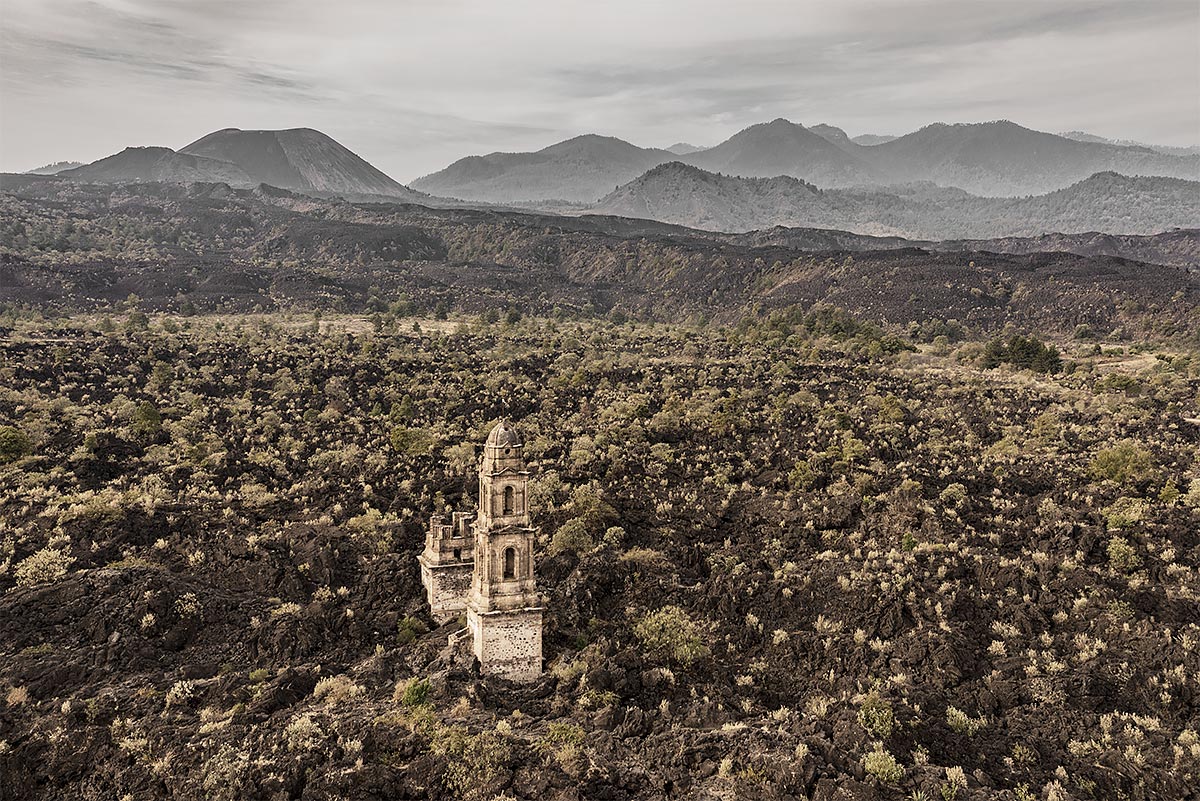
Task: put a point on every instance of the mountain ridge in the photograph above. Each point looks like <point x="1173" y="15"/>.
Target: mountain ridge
<point x="297" y="159"/>
<point x="580" y="169"/>
<point x="301" y="159"/>
<point x="684" y="194"/>
<point x="157" y="164"/>
<point x="998" y="158"/>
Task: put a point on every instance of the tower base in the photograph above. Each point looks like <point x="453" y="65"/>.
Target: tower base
<point x="508" y="643"/>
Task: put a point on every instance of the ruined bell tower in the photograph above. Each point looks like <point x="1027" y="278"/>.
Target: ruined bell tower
<point x="503" y="611"/>
<point x="485" y="566"/>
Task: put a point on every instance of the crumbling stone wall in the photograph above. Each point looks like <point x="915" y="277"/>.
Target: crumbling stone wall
<point x="447" y="588"/>
<point x="508" y="644"/>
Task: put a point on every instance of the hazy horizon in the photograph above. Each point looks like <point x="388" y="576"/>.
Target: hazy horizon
<point x="412" y="87"/>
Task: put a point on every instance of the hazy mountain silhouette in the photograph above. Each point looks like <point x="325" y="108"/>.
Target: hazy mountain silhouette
<point x="834" y="136"/>
<point x="685" y="195"/>
<point x="989" y="159"/>
<point x="300" y="159"/>
<point x="781" y="147"/>
<point x="1003" y="158"/>
<point x="867" y="140"/>
<point x="1082" y="136"/>
<point x="582" y="169"/>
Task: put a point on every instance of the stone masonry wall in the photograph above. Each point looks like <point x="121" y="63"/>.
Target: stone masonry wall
<point x="508" y="644"/>
<point x="447" y="587"/>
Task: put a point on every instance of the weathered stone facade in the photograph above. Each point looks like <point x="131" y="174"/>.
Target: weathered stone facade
<point x="485" y="565"/>
<point x="447" y="564"/>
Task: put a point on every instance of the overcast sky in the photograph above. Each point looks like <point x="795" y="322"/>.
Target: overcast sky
<point x="412" y="85"/>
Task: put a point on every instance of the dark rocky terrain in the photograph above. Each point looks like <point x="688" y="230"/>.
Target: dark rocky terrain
<point x="822" y="515"/>
<point x="210" y="247"/>
<point x="804" y="562"/>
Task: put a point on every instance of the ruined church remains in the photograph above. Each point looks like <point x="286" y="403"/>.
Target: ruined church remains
<point x="483" y="564"/>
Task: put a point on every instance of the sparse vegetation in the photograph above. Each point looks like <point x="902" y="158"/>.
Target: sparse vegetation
<point x="796" y="543"/>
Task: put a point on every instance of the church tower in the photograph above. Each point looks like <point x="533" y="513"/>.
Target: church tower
<point x="503" y="610"/>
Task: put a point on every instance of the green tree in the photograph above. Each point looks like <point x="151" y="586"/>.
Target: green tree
<point x="14" y="444"/>
<point x="1125" y="463"/>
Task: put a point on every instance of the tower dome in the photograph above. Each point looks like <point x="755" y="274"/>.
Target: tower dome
<point x="504" y="435"/>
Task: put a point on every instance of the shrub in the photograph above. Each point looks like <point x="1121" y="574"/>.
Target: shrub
<point x="181" y="693"/>
<point x="565" y="733"/>
<point x="614" y="536"/>
<point x="1192" y="496"/>
<point x="1122" y="556"/>
<point x="1125" y="463"/>
<point x="802" y="476"/>
<point x="147" y="421"/>
<point x="187" y="605"/>
<point x="473" y="762"/>
<point x="48" y="564"/>
<point x="408" y="629"/>
<point x="876" y="716"/>
<point x="334" y="690"/>
<point x="953" y="495"/>
<point x="14" y="444"/>
<point x="413" y="693"/>
<point x="963" y="723"/>
<point x="1124" y="512"/>
<point x="412" y="441"/>
<point x="303" y="733"/>
<point x="671" y="633"/>
<point x="883" y="766"/>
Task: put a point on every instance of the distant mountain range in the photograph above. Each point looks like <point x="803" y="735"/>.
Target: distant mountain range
<point x="686" y="195"/>
<point x="298" y="159"/>
<point x="1080" y="136"/>
<point x="989" y="159"/>
<point x="944" y="181"/>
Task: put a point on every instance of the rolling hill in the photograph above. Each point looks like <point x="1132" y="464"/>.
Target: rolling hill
<point x="581" y="170"/>
<point x="158" y="164"/>
<point x="685" y="195"/>
<point x="68" y="246"/>
<point x="1003" y="158"/>
<point x="781" y="147"/>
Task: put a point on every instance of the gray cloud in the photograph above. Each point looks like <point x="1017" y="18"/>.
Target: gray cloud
<point x="414" y="84"/>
